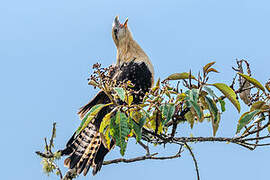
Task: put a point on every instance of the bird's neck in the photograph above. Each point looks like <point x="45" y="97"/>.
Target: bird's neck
<point x="128" y="49"/>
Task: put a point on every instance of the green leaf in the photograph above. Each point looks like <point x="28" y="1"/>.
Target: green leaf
<point x="158" y="82"/>
<point x="167" y="111"/>
<point x="215" y="115"/>
<point x="213" y="108"/>
<point x="93" y="83"/>
<point x="252" y="81"/>
<point x="120" y="130"/>
<point x="257" y="105"/>
<point x="190" y="118"/>
<point x="229" y="93"/>
<point x="137" y="127"/>
<point x="191" y="101"/>
<point x="129" y="99"/>
<point x="105" y="122"/>
<point x="107" y="139"/>
<point x="212" y="70"/>
<point x="146" y="115"/>
<point x="89" y="116"/>
<point x="194" y="95"/>
<point x="137" y="130"/>
<point x="180" y="97"/>
<point x="178" y="76"/>
<point x="168" y="94"/>
<point x="156" y="122"/>
<point x="215" y="125"/>
<point x="120" y="92"/>
<point x="197" y="109"/>
<point x="210" y="92"/>
<point x="142" y="121"/>
<point x="207" y="66"/>
<point x="245" y="119"/>
<point x="222" y="105"/>
<point x="112" y="125"/>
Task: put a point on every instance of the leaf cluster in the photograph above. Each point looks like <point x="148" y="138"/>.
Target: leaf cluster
<point x="49" y="157"/>
<point x="167" y="104"/>
<point x="179" y="98"/>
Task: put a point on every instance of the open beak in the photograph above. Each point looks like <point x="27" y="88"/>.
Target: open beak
<point x="117" y="24"/>
<point x="125" y="23"/>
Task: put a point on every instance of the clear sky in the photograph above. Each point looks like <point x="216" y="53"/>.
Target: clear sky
<point x="47" y="49"/>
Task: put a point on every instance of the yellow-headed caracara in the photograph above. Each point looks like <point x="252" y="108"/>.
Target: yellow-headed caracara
<point x="86" y="149"/>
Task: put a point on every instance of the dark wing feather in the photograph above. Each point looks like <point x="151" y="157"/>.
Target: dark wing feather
<point x="139" y="75"/>
<point x="100" y="98"/>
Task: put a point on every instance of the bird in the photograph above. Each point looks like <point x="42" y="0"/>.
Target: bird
<point x="86" y="149"/>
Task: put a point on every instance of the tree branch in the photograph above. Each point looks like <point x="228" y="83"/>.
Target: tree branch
<point x="194" y="159"/>
<point x="44" y="155"/>
<point x="145" y="147"/>
<point x="250" y="139"/>
<point x="141" y="158"/>
<point x="70" y="174"/>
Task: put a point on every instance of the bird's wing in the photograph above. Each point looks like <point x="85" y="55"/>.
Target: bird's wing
<point x="140" y="76"/>
<point x="86" y="149"/>
<point x="100" y="98"/>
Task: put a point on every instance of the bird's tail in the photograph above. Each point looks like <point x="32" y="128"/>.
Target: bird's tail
<point x="83" y="150"/>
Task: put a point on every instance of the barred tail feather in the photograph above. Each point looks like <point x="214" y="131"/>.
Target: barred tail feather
<point x="84" y="150"/>
<point x="67" y="162"/>
<point x="89" y="154"/>
<point x="90" y="162"/>
<point x="98" y="161"/>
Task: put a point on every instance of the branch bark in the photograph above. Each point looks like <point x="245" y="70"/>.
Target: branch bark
<point x="194" y="159"/>
<point x="141" y="158"/>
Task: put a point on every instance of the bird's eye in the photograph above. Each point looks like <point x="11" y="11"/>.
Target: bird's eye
<point x="115" y="30"/>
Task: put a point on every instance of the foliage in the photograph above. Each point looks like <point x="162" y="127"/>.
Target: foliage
<point x="181" y="97"/>
<point x="167" y="99"/>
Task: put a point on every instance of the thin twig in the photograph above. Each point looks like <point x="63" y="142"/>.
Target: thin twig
<point x="145" y="147"/>
<point x="58" y="169"/>
<point x="255" y="131"/>
<point x="266" y="144"/>
<point x="243" y="89"/>
<point x="46" y="145"/>
<point x="245" y="145"/>
<point x="52" y="137"/>
<point x="44" y="155"/>
<point x="194" y="159"/>
<point x="256" y="138"/>
<point x="70" y="174"/>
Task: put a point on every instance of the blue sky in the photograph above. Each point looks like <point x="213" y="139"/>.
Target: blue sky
<point x="47" y="49"/>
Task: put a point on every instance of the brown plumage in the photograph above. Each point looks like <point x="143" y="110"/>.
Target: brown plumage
<point x="86" y="149"/>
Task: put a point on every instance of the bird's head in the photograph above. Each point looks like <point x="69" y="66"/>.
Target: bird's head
<point x="120" y="32"/>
